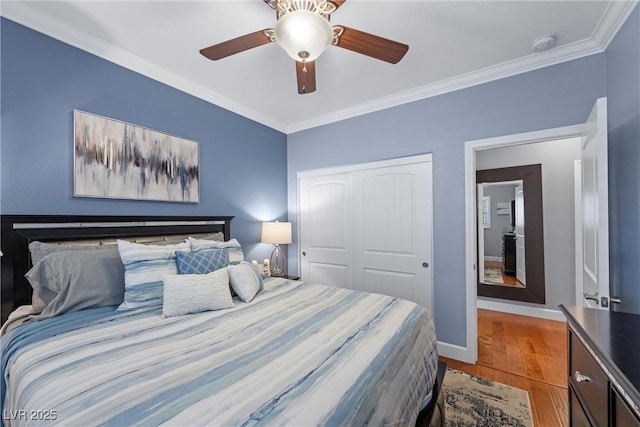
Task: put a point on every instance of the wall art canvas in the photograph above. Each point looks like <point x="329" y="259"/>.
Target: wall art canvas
<point x="114" y="159"/>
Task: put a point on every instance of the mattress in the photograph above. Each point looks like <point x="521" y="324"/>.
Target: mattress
<point x="298" y="354"/>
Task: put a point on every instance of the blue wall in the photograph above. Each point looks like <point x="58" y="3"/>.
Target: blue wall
<point x="623" y="93"/>
<point x="242" y="163"/>
<point x="555" y="96"/>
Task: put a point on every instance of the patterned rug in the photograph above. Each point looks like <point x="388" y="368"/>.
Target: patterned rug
<point x="493" y="275"/>
<point x="475" y="401"/>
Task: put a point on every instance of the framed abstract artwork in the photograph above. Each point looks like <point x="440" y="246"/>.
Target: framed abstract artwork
<point x="115" y="159"/>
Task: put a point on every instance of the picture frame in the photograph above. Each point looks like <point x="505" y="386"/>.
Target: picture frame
<point x="118" y="160"/>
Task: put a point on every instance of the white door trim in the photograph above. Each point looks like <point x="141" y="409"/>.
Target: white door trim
<point x="420" y="158"/>
<point x="470" y="353"/>
<point x="577" y="209"/>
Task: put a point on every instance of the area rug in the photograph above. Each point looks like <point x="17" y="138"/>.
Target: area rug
<point x="475" y="401"/>
<point x="493" y="275"/>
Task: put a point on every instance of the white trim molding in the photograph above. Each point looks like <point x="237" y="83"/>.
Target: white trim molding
<point x="615" y="15"/>
<point x="521" y="310"/>
<point x="456" y="352"/>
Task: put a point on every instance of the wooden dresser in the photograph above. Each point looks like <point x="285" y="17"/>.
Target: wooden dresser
<point x="604" y="367"/>
<point x="509" y="254"/>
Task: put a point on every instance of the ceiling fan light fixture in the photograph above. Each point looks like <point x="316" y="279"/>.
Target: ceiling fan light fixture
<point x="303" y="34"/>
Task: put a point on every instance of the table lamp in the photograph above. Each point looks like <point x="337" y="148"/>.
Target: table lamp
<point x="277" y="233"/>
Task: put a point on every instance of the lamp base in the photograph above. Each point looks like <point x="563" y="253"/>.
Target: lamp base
<point x="278" y="265"/>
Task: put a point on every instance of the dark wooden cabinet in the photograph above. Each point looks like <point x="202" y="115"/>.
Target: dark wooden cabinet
<point x="604" y="367"/>
<point x="509" y="254"/>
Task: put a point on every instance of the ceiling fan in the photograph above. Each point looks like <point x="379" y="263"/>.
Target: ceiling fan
<point x="304" y="32"/>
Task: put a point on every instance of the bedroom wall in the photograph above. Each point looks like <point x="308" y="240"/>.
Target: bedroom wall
<point x="558" y="195"/>
<point x="551" y="97"/>
<point x="623" y="93"/>
<point x="242" y="163"/>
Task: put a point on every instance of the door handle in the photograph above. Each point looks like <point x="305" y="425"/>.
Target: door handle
<point x="304" y="253"/>
<point x="615" y="300"/>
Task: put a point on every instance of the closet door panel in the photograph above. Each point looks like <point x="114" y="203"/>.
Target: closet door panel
<point x="325" y="229"/>
<point x="392" y="231"/>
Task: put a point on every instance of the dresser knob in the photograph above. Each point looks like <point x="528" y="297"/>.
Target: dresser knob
<point x="581" y="378"/>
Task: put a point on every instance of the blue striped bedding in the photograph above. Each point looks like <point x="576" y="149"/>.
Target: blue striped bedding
<point x="298" y="354"/>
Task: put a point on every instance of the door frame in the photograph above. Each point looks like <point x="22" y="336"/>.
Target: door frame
<point x="469" y="354"/>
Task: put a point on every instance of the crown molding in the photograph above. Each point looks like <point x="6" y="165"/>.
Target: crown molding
<point x="612" y="20"/>
<point x="614" y="17"/>
<point x="485" y="75"/>
<point x="22" y="14"/>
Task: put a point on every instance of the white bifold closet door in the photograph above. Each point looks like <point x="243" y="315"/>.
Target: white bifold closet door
<point x="368" y="227"/>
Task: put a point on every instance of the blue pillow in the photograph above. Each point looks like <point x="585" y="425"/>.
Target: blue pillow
<point x="144" y="268"/>
<point x="202" y="262"/>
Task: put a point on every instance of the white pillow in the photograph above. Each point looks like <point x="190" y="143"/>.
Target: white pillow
<point x="144" y="268"/>
<point x="245" y="280"/>
<point x="193" y="293"/>
<point x="235" y="250"/>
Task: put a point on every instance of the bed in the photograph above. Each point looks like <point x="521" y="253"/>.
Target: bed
<point x="295" y="354"/>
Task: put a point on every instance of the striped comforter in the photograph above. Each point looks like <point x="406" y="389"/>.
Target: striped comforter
<point x="298" y="354"/>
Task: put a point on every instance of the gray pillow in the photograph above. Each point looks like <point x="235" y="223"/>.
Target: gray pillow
<point x="78" y="279"/>
<point x="39" y="250"/>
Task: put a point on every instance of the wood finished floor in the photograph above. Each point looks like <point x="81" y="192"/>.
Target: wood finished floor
<point x="528" y="353"/>
<point x="506" y="279"/>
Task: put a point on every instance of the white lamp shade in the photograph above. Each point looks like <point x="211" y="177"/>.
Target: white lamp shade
<point x="277" y="233"/>
<point x="304" y="35"/>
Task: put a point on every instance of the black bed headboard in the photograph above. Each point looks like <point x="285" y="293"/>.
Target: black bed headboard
<point x="17" y="231"/>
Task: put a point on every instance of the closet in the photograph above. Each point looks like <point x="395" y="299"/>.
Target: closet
<point x="369" y="227"/>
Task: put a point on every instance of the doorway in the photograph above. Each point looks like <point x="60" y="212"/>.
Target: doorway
<point x="594" y="129"/>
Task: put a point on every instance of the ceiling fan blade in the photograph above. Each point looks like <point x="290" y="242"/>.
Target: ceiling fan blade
<point x="337" y="3"/>
<point x="306" y="73"/>
<point x="237" y="45"/>
<point x="369" y="44"/>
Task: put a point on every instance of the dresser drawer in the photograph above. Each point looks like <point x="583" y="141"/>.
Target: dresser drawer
<point x="589" y="381"/>
<point x="577" y="417"/>
<point x="622" y="416"/>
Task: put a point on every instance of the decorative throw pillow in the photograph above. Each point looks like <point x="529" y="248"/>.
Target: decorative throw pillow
<point x="39" y="250"/>
<point x="202" y="262"/>
<point x="193" y="293"/>
<point x="245" y="280"/>
<point x="144" y="268"/>
<point x="78" y="279"/>
<point x="235" y="250"/>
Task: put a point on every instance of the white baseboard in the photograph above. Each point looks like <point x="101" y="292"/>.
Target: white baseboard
<point x="456" y="352"/>
<point x="493" y="258"/>
<point x="524" y="310"/>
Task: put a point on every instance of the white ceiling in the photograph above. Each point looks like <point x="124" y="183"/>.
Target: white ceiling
<point x="453" y="44"/>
